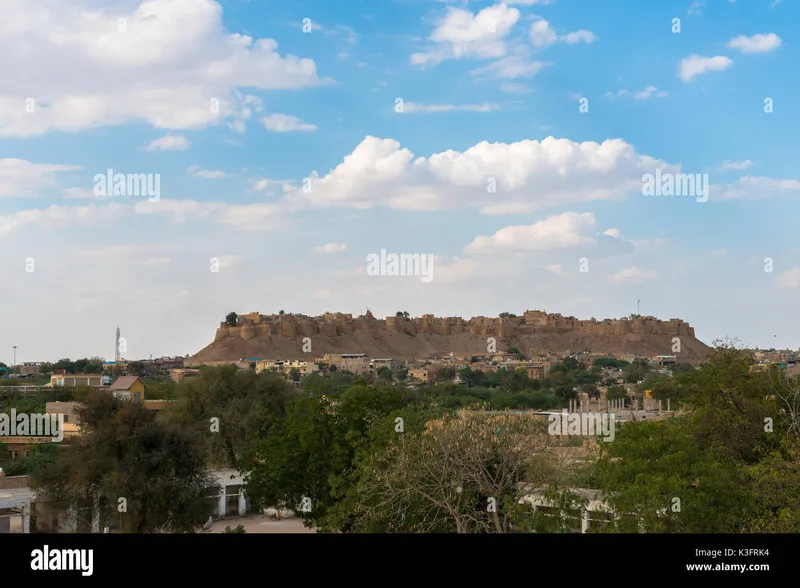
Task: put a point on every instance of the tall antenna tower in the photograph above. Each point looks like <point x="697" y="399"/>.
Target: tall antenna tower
<point x="116" y="348"/>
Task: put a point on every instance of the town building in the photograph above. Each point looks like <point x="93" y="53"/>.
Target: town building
<point x="128" y="388"/>
<point x="78" y="380"/>
<point x="285" y="367"/>
<point x="178" y="375"/>
<point x="356" y="363"/>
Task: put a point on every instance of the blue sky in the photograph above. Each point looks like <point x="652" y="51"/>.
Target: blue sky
<point x="490" y="91"/>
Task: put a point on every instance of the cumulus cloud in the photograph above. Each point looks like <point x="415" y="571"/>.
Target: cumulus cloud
<point x="330" y="248"/>
<point x="756" y="43"/>
<point x="696" y="65"/>
<point x="169" y="143"/>
<point x="543" y="35"/>
<point x="497" y="178"/>
<point x="167" y="63"/>
<point x="557" y="232"/>
<point x="284" y="123"/>
<point x="462" y="34"/>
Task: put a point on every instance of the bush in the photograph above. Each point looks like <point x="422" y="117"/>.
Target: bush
<point x="238" y="530"/>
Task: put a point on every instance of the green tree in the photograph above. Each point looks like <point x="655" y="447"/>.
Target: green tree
<point x="39" y="456"/>
<point x="65" y="364"/>
<point x="616" y="393"/>
<point x="311" y="453"/>
<point x="728" y="464"/>
<point x="229" y="408"/>
<point x="636" y="371"/>
<point x="126" y="458"/>
<point x="385" y="373"/>
<point x="231" y="319"/>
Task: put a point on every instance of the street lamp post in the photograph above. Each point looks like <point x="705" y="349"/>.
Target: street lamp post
<point x="14" y="363"/>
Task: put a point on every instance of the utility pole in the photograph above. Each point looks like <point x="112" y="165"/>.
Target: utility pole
<point x="14" y="363"/>
<point x="638" y="312"/>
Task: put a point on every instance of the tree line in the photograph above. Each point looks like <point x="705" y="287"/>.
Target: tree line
<point x="355" y="456"/>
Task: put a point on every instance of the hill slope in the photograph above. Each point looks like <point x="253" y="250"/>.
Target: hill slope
<point x="299" y="336"/>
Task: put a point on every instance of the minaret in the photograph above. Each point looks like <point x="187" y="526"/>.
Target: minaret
<point x="116" y="348"/>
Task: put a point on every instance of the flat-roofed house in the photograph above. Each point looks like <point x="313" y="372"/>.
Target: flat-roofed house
<point x="76" y="380"/>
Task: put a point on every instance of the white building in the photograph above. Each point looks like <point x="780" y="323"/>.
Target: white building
<point x="230" y="497"/>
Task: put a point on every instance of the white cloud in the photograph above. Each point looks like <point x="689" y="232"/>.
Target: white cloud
<point x="756" y="43"/>
<point x="633" y="275"/>
<point x="81" y="194"/>
<point x="581" y="36"/>
<point x="229" y="261"/>
<point x="556" y="269"/>
<point x="159" y="261"/>
<point x="649" y="92"/>
<point x="174" y="66"/>
<point x="59" y="217"/>
<point x="695" y="65"/>
<point x="169" y="143"/>
<point x="790" y="278"/>
<point x="646" y="93"/>
<point x="735" y="165"/>
<point x="330" y="248"/>
<point x="557" y="232"/>
<point x="695" y="8"/>
<point x="413" y="107"/>
<point x="564" y="231"/>
<point x="284" y="123"/>
<point x="513" y="66"/>
<point x="462" y="34"/>
<point x="542" y="35"/>
<point x="323" y="294"/>
<point x="514" y="88"/>
<point x="527" y="175"/>
<point x="719" y="253"/>
<point x="206" y="174"/>
<point x="242" y="217"/>
<point x="754" y="188"/>
<point x="19" y="177"/>
<point x="529" y="2"/>
<point x="268" y="184"/>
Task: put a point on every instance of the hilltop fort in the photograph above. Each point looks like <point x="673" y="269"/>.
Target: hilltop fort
<point x="281" y="336"/>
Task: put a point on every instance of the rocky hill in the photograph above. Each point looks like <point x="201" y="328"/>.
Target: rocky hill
<point x="293" y="336"/>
